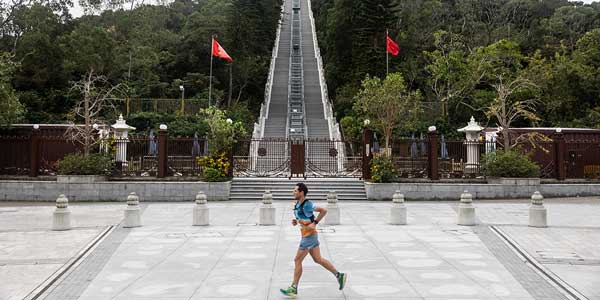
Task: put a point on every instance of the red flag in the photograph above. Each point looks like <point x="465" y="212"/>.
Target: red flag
<point x="392" y="47"/>
<point x="218" y="51"/>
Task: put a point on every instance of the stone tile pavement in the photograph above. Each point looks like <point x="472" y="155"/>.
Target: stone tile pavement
<point x="431" y="258"/>
<point x="30" y="253"/>
<point x="569" y="247"/>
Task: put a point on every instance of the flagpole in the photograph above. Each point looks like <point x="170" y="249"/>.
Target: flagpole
<point x="387" y="59"/>
<point x="230" y="83"/>
<point x="210" y="75"/>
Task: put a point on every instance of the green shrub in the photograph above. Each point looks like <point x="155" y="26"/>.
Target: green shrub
<point x="212" y="175"/>
<point x="215" y="167"/>
<point x="509" y="164"/>
<point x="144" y="121"/>
<point x="188" y="126"/>
<point x="382" y="169"/>
<point x="94" y="164"/>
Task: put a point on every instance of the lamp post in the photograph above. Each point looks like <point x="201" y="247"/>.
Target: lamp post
<point x="182" y="89"/>
<point x="367" y="139"/>
<point x="121" y="130"/>
<point x="472" y="131"/>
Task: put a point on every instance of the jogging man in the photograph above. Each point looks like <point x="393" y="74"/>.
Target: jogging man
<point x="304" y="216"/>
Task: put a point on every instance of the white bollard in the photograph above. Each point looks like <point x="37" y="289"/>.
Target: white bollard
<point x="267" y="211"/>
<point x="537" y="211"/>
<point x="398" y="210"/>
<point x="201" y="213"/>
<point x="61" y="219"/>
<point x="132" y="212"/>
<point x="466" y="210"/>
<point x="333" y="210"/>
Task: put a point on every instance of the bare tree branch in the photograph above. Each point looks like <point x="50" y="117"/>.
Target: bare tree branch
<point x="97" y="95"/>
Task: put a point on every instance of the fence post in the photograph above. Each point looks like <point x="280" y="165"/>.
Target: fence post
<point x="432" y="155"/>
<point x="559" y="158"/>
<point x="230" y="158"/>
<point x="366" y="153"/>
<point x="162" y="151"/>
<point x="34" y="151"/>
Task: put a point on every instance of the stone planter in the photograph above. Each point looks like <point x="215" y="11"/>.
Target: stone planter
<point x="380" y="191"/>
<point x="80" y="178"/>
<point x="513" y="181"/>
<point x="217" y="191"/>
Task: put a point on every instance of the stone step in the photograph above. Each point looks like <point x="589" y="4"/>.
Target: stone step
<point x="252" y="189"/>
<point x="288" y="191"/>
<point x="317" y="187"/>
<point x="290" y="199"/>
<point x="289" y="195"/>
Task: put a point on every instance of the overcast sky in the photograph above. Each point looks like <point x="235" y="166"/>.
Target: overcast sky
<point x="77" y="11"/>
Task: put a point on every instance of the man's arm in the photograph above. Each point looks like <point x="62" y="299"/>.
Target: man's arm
<point x="322" y="212"/>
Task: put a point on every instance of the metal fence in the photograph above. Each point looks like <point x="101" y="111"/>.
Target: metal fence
<point x="332" y="158"/>
<point x="261" y="158"/>
<point x="182" y="156"/>
<point x="409" y="157"/>
<point x="320" y="158"/>
<point x="141" y="157"/>
<point x="279" y="157"/>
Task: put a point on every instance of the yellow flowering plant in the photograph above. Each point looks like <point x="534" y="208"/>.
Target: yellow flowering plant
<point x="382" y="169"/>
<point x="214" y="167"/>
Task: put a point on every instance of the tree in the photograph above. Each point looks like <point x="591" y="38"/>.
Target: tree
<point x="586" y="59"/>
<point x="222" y="130"/>
<point x="97" y="94"/>
<point x="515" y="94"/>
<point x="454" y="74"/>
<point x="568" y="24"/>
<point x="11" y="109"/>
<point x="388" y="104"/>
<point x="372" y="18"/>
<point x="41" y="79"/>
<point x="480" y="19"/>
<point x="89" y="49"/>
<point x="9" y="9"/>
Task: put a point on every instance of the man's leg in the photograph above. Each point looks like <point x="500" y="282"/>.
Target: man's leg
<point x="300" y="255"/>
<point x="293" y="289"/>
<point x="315" y="253"/>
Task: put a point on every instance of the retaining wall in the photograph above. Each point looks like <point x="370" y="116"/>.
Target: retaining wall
<point x="452" y="191"/>
<point x="16" y="190"/>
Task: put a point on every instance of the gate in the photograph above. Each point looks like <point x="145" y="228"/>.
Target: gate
<point x="297" y="158"/>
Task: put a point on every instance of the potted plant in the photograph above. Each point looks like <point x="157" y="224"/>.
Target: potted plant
<point x="383" y="176"/>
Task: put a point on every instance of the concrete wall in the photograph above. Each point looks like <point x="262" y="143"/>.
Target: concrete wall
<point x="452" y="191"/>
<point x="112" y="190"/>
<point x="17" y="190"/>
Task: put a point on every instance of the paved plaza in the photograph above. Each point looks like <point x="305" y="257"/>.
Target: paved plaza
<point x="234" y="258"/>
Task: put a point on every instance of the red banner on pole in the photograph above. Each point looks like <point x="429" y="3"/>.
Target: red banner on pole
<point x="218" y="51"/>
<point x="392" y="47"/>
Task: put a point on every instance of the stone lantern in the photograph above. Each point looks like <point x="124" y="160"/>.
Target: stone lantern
<point x="121" y="130"/>
<point x="472" y="131"/>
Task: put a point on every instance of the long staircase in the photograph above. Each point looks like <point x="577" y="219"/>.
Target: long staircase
<point x="296" y="108"/>
<point x="296" y="104"/>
